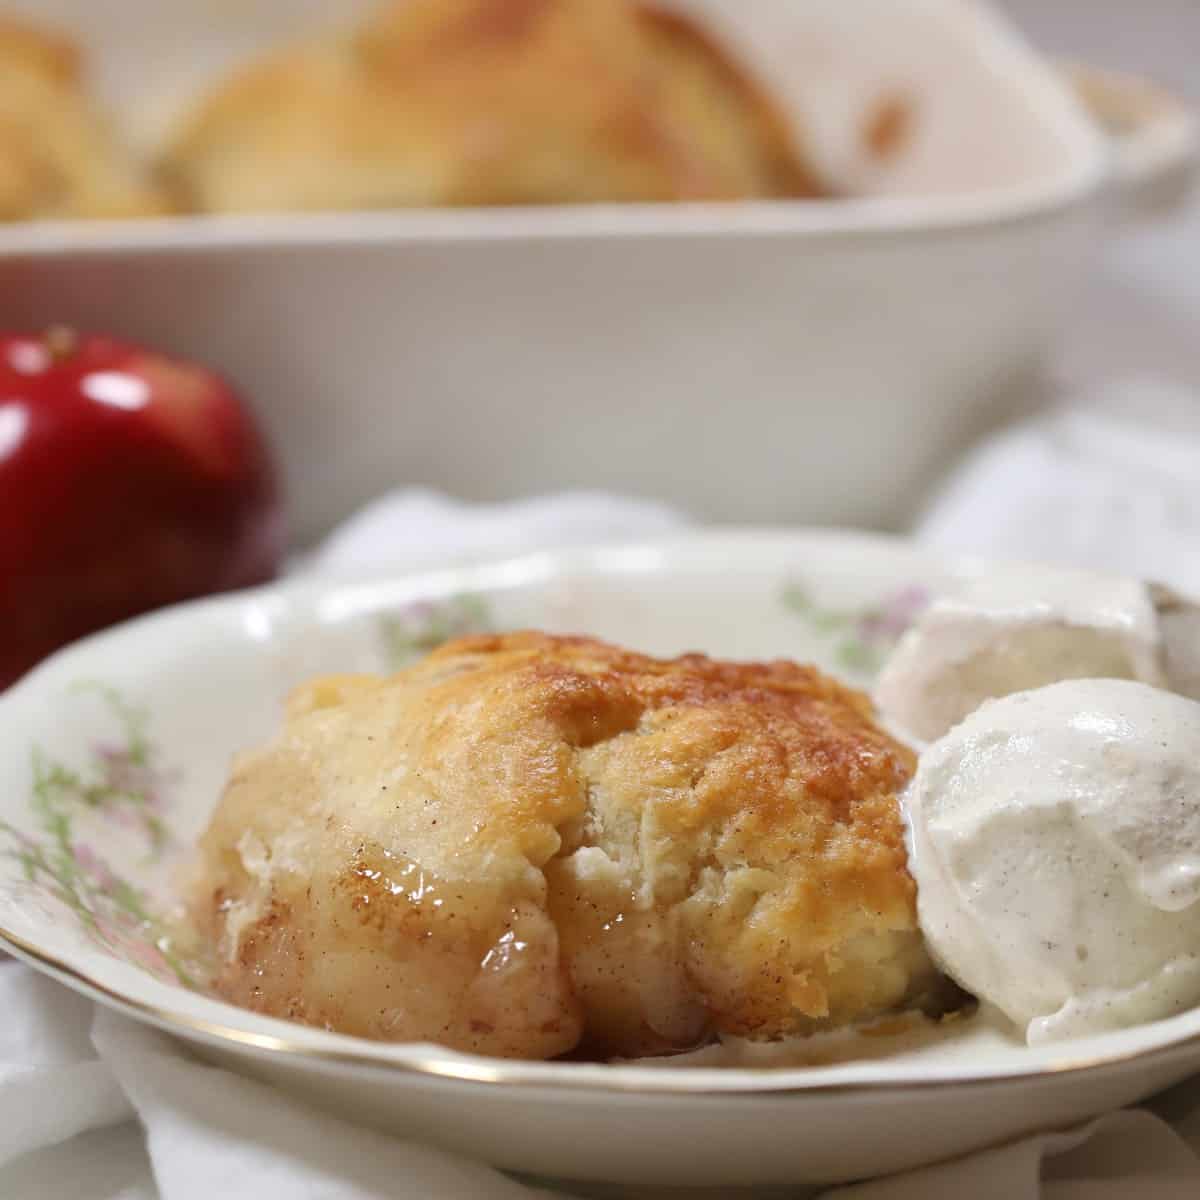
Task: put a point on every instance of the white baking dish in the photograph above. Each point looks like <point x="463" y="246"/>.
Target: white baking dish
<point x="766" y="361"/>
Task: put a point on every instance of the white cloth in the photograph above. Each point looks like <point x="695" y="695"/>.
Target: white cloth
<point x="1111" y="483"/>
<point x="96" y="1106"/>
<point x="417" y="528"/>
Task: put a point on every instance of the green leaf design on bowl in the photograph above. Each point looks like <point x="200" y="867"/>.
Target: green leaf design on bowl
<point x="123" y="783"/>
<point x="860" y="638"/>
<point x="413" y="632"/>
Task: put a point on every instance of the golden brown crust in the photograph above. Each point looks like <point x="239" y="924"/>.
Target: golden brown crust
<point x="526" y="842"/>
<point x="57" y="157"/>
<point x="740" y="109"/>
<point x="40" y="50"/>
<point x="489" y="102"/>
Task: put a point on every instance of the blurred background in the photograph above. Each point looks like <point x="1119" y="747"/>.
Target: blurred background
<point x="1140" y="315"/>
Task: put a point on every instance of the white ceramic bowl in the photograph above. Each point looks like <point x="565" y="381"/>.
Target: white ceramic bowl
<point x="763" y="362"/>
<point x="113" y="753"/>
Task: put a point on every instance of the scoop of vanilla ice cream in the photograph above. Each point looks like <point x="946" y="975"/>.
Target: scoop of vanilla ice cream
<point x="1055" y="839"/>
<point x="1020" y="627"/>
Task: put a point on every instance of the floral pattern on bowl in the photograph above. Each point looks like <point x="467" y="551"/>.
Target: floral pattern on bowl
<point x="123" y="786"/>
<point x="415" y="630"/>
<point x="860" y="638"/>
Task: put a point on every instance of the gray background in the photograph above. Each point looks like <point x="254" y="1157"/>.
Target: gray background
<point x="1142" y="315"/>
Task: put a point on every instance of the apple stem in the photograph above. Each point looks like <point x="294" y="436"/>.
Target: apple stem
<point x="60" y="341"/>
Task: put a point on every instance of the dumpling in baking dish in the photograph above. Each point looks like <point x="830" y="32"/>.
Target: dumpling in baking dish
<point x="527" y="845"/>
<point x="488" y="102"/>
<point x="58" y="157"/>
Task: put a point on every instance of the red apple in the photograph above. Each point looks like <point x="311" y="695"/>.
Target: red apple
<point x="128" y="480"/>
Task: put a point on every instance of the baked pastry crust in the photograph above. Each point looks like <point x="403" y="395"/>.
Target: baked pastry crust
<point x="57" y="156"/>
<point x="527" y="845"/>
<point x="488" y="102"/>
